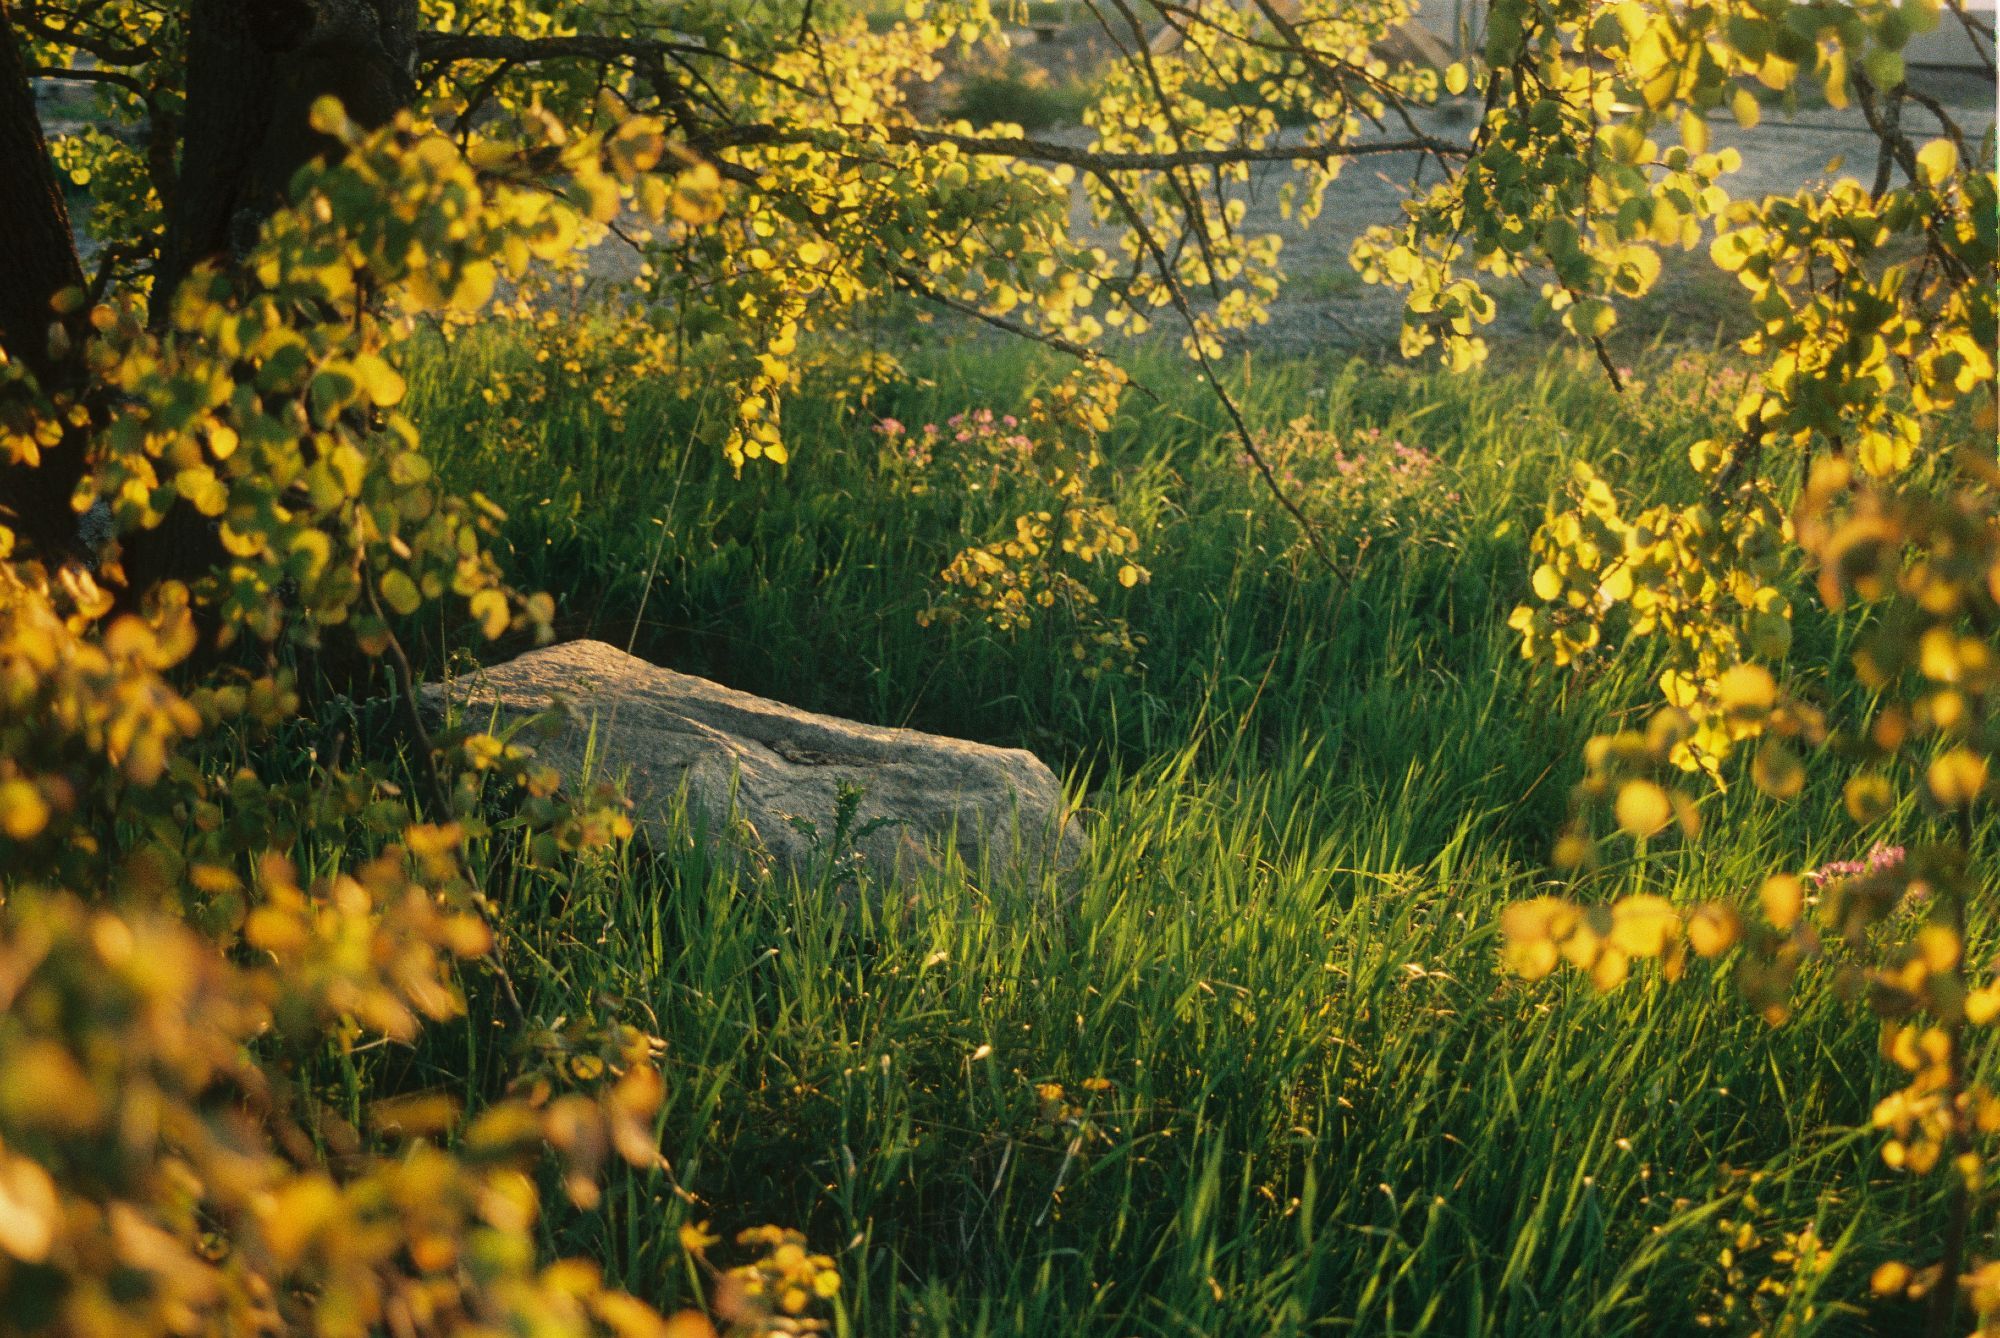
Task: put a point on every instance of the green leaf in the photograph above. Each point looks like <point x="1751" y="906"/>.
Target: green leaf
<point x="1593" y="318"/>
<point x="1503" y="34"/>
<point x="400" y="591"/>
<point x="332" y="390"/>
<point x="1884" y="69"/>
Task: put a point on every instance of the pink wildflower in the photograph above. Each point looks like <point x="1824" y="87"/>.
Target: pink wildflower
<point x="1879" y="859"/>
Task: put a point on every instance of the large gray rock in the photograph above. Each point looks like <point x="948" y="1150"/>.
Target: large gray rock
<point x="755" y="771"/>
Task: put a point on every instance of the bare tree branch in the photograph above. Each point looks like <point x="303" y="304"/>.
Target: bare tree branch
<point x="911" y="283"/>
<point x="105" y="50"/>
<point x="117" y="77"/>
<point x="439" y="48"/>
<point x="1088" y="160"/>
<point x="445" y="48"/>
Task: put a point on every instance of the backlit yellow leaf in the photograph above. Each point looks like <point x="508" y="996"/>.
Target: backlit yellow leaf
<point x="1782" y="896"/>
<point x="1936" y="161"/>
<point x="1957" y="777"/>
<point x="1642" y="808"/>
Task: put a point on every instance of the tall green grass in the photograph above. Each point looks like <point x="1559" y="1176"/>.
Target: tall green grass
<point x="1314" y="1103"/>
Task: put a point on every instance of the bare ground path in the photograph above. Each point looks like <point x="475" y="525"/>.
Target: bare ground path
<point x="1326" y="305"/>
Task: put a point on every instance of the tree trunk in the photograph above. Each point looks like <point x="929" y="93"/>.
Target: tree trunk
<point x="37" y="260"/>
<point x="255" y="67"/>
<point x="37" y="254"/>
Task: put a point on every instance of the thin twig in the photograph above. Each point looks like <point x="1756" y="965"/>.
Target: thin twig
<point x="406" y="692"/>
<point x="1222" y="395"/>
<point x="119" y="78"/>
<point x="915" y="286"/>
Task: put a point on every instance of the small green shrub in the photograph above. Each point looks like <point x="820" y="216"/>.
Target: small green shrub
<point x="1022" y="94"/>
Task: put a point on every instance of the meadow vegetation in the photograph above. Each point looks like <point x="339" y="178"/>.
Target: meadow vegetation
<point x="1260" y="1069"/>
<point x="1540" y="797"/>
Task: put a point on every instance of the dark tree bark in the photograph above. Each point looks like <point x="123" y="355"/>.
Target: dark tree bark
<point x="37" y="253"/>
<point x="255" y="67"/>
<point x="37" y="261"/>
<point x="254" y="70"/>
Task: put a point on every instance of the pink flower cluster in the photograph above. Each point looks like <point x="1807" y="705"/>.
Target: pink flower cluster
<point x="998" y="434"/>
<point x="1880" y="858"/>
<point x="978" y="447"/>
<point x="982" y="423"/>
<point x="1360" y="481"/>
<point x="1409" y="463"/>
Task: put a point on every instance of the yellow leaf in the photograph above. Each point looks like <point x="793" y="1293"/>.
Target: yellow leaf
<point x="313" y="550"/>
<point x="1782" y="896"/>
<point x="1608" y="972"/>
<point x="28" y="1209"/>
<point x="297" y="1213"/>
<point x="1747" y="109"/>
<point x="1982" y="1005"/>
<point x="1938" y="947"/>
<point x="490" y="608"/>
<point x="1957" y="777"/>
<point x="1936" y="161"/>
<point x="1694" y="132"/>
<point x="1572" y="851"/>
<point x="474" y="286"/>
<point x="327" y="116"/>
<point x="23" y="811"/>
<point x="1747" y="688"/>
<point x="556" y="235"/>
<point x="1686" y="814"/>
<point x="1868" y="797"/>
<point x="207" y="493"/>
<point x="1530" y="931"/>
<point x="1678" y="688"/>
<point x="1642" y="808"/>
<point x="382" y="383"/>
<point x="400" y="591"/>
<point x="1889" y="1278"/>
<point x="1777" y="772"/>
<point x="1712" y="929"/>
<point x="1642" y="926"/>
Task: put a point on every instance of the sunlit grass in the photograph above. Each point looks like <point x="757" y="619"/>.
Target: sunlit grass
<point x="1296" y="1092"/>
